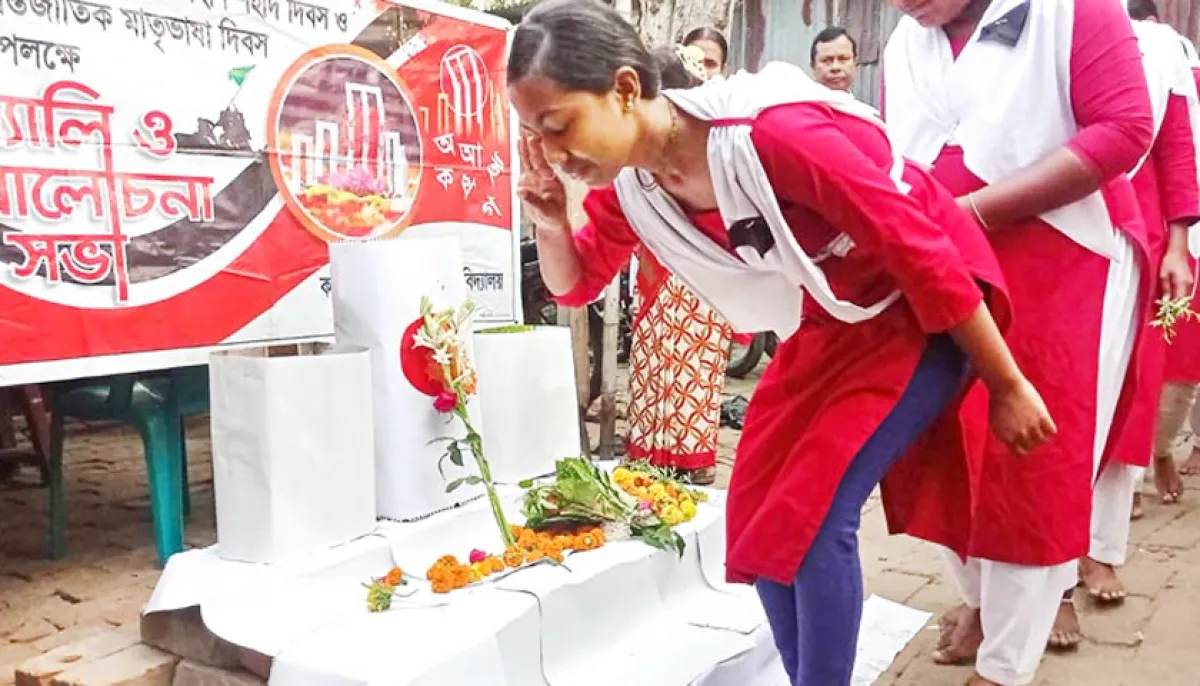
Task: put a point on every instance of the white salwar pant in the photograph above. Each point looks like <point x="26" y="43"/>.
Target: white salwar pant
<point x="1018" y="603"/>
<point x="1112" y="497"/>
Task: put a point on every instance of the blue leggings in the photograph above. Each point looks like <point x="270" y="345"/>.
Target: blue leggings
<point x="815" y="620"/>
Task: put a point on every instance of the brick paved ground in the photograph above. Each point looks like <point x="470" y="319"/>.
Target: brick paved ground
<point x="1153" y="640"/>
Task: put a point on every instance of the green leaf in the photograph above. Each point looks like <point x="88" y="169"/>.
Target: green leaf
<point x="455" y="453"/>
<point x="471" y="480"/>
<point x="527" y="483"/>
<point x="238" y="74"/>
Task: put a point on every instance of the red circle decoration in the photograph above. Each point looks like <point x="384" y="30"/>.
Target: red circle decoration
<point x="418" y="364"/>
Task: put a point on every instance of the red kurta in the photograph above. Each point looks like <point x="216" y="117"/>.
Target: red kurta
<point x="1035" y="509"/>
<point x="1167" y="191"/>
<point x="1183" y="355"/>
<point x="832" y="384"/>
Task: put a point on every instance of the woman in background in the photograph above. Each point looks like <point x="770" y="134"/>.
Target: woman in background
<point x="680" y="346"/>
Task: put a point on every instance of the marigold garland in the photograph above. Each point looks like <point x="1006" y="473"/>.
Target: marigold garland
<point x="673" y="502"/>
<point x="532" y="547"/>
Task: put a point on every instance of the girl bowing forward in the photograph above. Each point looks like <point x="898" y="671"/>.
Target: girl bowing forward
<point x="776" y="200"/>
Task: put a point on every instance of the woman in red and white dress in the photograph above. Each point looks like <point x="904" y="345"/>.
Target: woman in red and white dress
<point x="1032" y="113"/>
<point x="1179" y="399"/>
<point x="780" y="202"/>
<point x="1165" y="183"/>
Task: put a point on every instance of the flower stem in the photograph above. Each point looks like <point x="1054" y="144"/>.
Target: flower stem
<point x="475" y="443"/>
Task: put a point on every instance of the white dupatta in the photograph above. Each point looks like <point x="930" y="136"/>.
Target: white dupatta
<point x="1005" y="101"/>
<point x="755" y="291"/>
<point x="1168" y="73"/>
<point x="1193" y="60"/>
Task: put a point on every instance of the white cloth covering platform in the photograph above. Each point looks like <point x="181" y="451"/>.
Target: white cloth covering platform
<point x="624" y="613"/>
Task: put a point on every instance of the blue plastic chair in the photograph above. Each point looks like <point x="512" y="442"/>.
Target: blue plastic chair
<point x="155" y="404"/>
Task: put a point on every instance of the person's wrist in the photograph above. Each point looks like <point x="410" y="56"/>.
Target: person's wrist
<point x="551" y="227"/>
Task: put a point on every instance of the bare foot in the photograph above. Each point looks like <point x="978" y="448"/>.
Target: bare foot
<point x="1137" y="511"/>
<point x="962" y="633"/>
<point x="1066" y="634"/>
<point x="980" y="681"/>
<point x="1101" y="581"/>
<point x="1166" y="479"/>
<point x="1192" y="465"/>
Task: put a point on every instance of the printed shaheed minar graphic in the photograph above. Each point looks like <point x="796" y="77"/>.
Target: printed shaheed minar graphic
<point x="358" y="141"/>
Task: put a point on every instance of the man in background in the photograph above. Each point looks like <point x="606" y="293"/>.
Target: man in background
<point x="834" y="58"/>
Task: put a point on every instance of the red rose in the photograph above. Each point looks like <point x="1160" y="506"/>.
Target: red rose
<point x="445" y="401"/>
<point x="477" y="556"/>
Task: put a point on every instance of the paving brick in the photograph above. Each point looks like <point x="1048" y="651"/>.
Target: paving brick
<point x="1181" y="532"/>
<point x="44" y="668"/>
<point x="182" y="633"/>
<point x="138" y="665"/>
<point x="1147" y="572"/>
<point x="256" y="663"/>
<point x="195" y="674"/>
<point x="896" y="586"/>
<point x="1119" y="625"/>
<point x="12" y="655"/>
<point x="73" y="634"/>
<point x="31" y="630"/>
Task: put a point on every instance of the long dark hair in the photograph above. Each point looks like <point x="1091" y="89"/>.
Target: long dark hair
<point x="709" y="34"/>
<point x="580" y="45"/>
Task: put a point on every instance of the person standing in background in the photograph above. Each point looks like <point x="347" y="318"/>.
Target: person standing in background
<point x="834" y="58"/>
<point x="1165" y="183"/>
<point x="1183" y="355"/>
<point x="714" y="46"/>
<point x="680" y="345"/>
<point x="1033" y="114"/>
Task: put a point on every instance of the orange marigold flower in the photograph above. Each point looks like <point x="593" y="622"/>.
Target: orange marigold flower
<point x="394" y="577"/>
<point x="564" y="542"/>
<point x="461" y="576"/>
<point x="479" y="571"/>
<point x="599" y="534"/>
<point x="442" y="586"/>
<point x="555" y="555"/>
<point x="446" y="561"/>
<point x="515" y="530"/>
<point x="534" y="555"/>
<point x="496" y="564"/>
<point x="527" y="539"/>
<point x="588" y="540"/>
<point x="514" y="557"/>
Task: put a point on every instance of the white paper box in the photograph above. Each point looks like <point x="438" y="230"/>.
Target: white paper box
<point x="377" y="291"/>
<point x="293" y="450"/>
<point x="527" y="394"/>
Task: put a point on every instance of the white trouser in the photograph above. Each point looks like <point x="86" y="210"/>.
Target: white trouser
<point x="1017" y="605"/>
<point x="1112" y="496"/>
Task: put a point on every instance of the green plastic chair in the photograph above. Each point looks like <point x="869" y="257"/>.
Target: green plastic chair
<point x="156" y="405"/>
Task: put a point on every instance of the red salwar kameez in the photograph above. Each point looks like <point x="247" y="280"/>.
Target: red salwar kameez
<point x="824" y="403"/>
<point x="1030" y="514"/>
